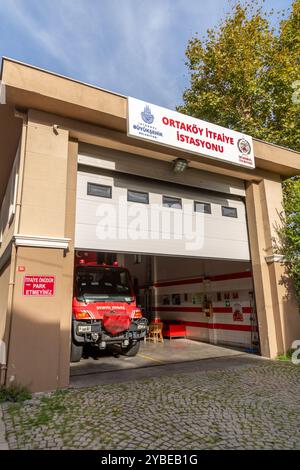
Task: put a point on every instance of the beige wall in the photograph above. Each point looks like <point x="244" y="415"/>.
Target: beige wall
<point x="4" y="281"/>
<point x="10" y="131"/>
<point x="8" y="219"/>
<point x="4" y="288"/>
<point x="44" y="190"/>
<point x="8" y="207"/>
<point x="38" y="354"/>
<point x="278" y="313"/>
<point x="34" y="351"/>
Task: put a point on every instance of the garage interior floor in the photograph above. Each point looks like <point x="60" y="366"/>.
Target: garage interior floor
<point x="150" y="354"/>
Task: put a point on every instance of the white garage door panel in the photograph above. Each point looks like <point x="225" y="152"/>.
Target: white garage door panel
<point x="112" y="159"/>
<point x="158" y="222"/>
<point x="113" y="224"/>
<point x="86" y="238"/>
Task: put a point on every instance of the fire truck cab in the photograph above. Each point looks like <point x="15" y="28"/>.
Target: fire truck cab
<point x="104" y="310"/>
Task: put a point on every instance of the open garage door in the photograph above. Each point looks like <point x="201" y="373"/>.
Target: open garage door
<point x="207" y="300"/>
<point x="185" y="247"/>
<point x="212" y="299"/>
<point x="203" y="306"/>
<point x="123" y="213"/>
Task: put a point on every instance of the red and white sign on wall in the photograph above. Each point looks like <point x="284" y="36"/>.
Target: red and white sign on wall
<point x="167" y="127"/>
<point x="39" y="286"/>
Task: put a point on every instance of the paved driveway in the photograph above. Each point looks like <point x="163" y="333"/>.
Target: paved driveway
<point x="231" y="403"/>
<point x="172" y="351"/>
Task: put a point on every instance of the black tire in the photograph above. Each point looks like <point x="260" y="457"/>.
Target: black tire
<point x="76" y="352"/>
<point x="131" y="350"/>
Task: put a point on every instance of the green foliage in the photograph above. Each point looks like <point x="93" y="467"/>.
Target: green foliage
<point x="289" y="231"/>
<point x="14" y="393"/>
<point x="287" y="356"/>
<point x="245" y="75"/>
<point x="50" y="406"/>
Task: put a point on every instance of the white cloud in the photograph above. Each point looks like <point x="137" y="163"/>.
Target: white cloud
<point x="134" y="47"/>
<point x="120" y="45"/>
<point x="20" y="14"/>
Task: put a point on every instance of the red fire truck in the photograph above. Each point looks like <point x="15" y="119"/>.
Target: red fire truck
<point x="104" y="309"/>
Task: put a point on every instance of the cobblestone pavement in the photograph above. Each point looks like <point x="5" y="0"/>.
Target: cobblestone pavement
<point x="249" y="407"/>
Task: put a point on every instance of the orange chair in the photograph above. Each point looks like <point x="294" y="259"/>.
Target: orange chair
<point x="155" y="333"/>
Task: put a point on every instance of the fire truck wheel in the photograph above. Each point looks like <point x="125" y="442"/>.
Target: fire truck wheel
<point x="131" y="350"/>
<point x="76" y="352"/>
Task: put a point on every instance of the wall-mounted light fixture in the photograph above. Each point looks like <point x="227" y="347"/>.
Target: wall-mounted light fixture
<point x="56" y="129"/>
<point x="179" y="165"/>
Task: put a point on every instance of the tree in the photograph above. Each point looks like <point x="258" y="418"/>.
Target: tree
<point x="289" y="232"/>
<point x="245" y="75"/>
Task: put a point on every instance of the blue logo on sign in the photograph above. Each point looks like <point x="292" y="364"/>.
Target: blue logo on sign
<point x="147" y="117"/>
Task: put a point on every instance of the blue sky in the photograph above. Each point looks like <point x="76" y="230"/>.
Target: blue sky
<point x="132" y="47"/>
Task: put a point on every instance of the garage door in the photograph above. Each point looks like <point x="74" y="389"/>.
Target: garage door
<point x="133" y="214"/>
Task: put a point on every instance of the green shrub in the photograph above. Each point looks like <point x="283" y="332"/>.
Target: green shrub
<point x="14" y="393"/>
<point x="287" y="356"/>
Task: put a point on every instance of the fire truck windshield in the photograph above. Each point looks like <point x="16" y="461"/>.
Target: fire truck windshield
<point x="101" y="284"/>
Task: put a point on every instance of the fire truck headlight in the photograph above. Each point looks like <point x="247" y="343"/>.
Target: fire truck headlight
<point x="82" y="314"/>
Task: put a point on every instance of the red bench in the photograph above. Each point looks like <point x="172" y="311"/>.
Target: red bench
<point x="174" y="330"/>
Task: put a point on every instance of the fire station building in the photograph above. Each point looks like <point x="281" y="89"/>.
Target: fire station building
<point x="190" y="208"/>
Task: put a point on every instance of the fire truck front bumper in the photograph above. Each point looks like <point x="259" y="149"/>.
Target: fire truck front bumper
<point x="92" y="332"/>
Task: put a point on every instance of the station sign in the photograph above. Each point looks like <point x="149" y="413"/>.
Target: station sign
<point x="39" y="286"/>
<point x="166" y="127"/>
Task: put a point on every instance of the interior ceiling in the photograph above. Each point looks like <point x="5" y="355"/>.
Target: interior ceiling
<point x="10" y="131"/>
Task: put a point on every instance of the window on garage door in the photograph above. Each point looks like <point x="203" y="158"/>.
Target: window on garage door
<point x="137" y="196"/>
<point x="229" y="211"/>
<point x="172" y="202"/>
<point x="99" y="190"/>
<point x="203" y="207"/>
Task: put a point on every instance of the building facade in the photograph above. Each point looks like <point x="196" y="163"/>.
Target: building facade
<point x="65" y="154"/>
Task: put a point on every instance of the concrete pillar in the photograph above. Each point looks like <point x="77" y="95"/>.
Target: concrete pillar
<point x="277" y="311"/>
<point x="38" y="354"/>
<point x="68" y="266"/>
<point x="5" y="273"/>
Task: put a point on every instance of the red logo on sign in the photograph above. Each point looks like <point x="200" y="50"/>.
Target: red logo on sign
<point x="21" y="269"/>
<point x="39" y="286"/>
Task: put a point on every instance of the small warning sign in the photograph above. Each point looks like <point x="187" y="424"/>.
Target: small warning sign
<point x="238" y="313"/>
<point x="39" y="286"/>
